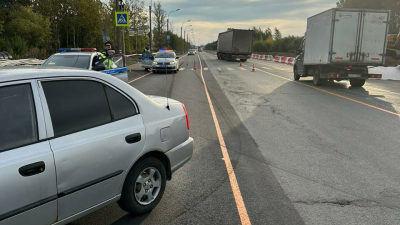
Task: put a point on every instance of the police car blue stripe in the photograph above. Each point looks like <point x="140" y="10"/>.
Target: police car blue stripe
<point x="114" y="71"/>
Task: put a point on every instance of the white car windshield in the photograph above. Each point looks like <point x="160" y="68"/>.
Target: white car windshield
<point x="165" y="55"/>
<point x="76" y="61"/>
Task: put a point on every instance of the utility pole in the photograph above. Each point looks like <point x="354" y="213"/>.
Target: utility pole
<point x="151" y="31"/>
<point x="118" y="29"/>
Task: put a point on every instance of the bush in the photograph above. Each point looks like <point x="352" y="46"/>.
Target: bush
<point x="36" y="53"/>
<point x="17" y="46"/>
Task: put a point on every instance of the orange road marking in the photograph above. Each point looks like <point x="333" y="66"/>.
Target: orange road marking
<point x="334" y="94"/>
<point x="244" y="217"/>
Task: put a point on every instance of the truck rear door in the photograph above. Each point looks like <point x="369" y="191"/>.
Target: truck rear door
<point x="345" y="36"/>
<point x="373" y="37"/>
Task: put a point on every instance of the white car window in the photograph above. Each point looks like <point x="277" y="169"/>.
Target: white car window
<point x="18" y="125"/>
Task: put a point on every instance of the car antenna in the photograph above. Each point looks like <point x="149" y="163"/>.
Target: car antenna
<point x="166" y="81"/>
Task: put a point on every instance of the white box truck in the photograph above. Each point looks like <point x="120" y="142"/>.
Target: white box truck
<point x="235" y="44"/>
<point x="340" y="44"/>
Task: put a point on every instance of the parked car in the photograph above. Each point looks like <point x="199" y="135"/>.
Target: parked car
<point x="85" y="58"/>
<point x="190" y="52"/>
<point x="147" y="60"/>
<point x="73" y="141"/>
<point x="165" y="60"/>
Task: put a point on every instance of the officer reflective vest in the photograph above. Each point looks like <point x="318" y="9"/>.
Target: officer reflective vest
<point x="109" y="64"/>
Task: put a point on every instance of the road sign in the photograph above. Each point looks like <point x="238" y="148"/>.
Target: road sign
<point x="168" y="38"/>
<point x="121" y="19"/>
<point x="133" y="33"/>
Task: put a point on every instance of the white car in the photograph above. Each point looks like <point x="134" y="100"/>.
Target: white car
<point x="164" y="61"/>
<point x="73" y="141"/>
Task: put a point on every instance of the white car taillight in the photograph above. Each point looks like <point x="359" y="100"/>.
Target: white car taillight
<point x="187" y="117"/>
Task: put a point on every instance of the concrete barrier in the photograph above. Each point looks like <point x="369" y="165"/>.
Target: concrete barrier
<point x="388" y="73"/>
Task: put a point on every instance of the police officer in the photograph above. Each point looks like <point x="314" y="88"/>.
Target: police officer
<point x="145" y="49"/>
<point x="103" y="54"/>
<point x="108" y="63"/>
<point x="107" y="46"/>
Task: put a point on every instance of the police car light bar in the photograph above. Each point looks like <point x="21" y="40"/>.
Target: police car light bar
<point x="77" y="49"/>
<point x="163" y="50"/>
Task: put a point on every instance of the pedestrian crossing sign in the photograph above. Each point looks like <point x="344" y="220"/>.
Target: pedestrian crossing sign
<point x="121" y="19"/>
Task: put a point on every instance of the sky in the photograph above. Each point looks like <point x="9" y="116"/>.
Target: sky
<point x="210" y="17"/>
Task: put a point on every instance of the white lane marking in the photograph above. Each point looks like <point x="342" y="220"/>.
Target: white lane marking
<point x="219" y="69"/>
<point x="228" y="68"/>
<point x="241" y="68"/>
<point x="367" y="86"/>
<point x="182" y="68"/>
<point x="139" y="78"/>
<point x="241" y="207"/>
<point x="266" y="68"/>
<point x="205" y="68"/>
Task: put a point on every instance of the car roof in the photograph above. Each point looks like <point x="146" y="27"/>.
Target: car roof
<point x="25" y="73"/>
<point x="76" y="53"/>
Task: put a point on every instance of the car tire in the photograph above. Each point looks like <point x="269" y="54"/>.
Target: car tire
<point x="136" y="180"/>
<point x="357" y="82"/>
<point x="175" y="71"/>
<point x="243" y="60"/>
<point x="146" y="69"/>
<point x="296" y="75"/>
<point x="154" y="71"/>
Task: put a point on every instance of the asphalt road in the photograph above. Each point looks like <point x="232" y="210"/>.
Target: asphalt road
<point x="300" y="154"/>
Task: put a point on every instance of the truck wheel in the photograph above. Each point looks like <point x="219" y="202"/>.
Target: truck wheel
<point x="296" y="75"/>
<point x="144" y="186"/>
<point x="357" y="82"/>
<point x="317" y="77"/>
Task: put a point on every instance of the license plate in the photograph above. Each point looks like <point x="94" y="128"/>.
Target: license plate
<point x="354" y="75"/>
<point x="163" y="66"/>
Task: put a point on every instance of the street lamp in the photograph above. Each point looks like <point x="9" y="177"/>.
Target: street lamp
<point x="184" y="36"/>
<point x="181" y="32"/>
<point x="168" y="23"/>
<point x="187" y="37"/>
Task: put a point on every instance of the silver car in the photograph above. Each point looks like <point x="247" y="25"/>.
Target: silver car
<point x="73" y="141"/>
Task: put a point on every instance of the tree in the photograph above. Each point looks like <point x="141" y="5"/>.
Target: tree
<point x="33" y="27"/>
<point x="1" y="26"/>
<point x="277" y="34"/>
<point x="138" y="21"/>
<point x="211" y="46"/>
<point x="393" y="5"/>
<point x="159" y="25"/>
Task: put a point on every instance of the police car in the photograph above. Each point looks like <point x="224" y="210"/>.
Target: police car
<point x="165" y="60"/>
<point x="147" y="60"/>
<point x="89" y="59"/>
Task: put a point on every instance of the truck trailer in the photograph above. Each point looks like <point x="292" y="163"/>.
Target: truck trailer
<point x="235" y="44"/>
<point x="340" y="44"/>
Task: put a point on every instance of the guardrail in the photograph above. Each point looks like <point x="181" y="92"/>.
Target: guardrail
<point x="278" y="59"/>
<point x="21" y="62"/>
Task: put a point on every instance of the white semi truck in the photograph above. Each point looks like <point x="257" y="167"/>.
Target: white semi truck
<point x="340" y="44"/>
